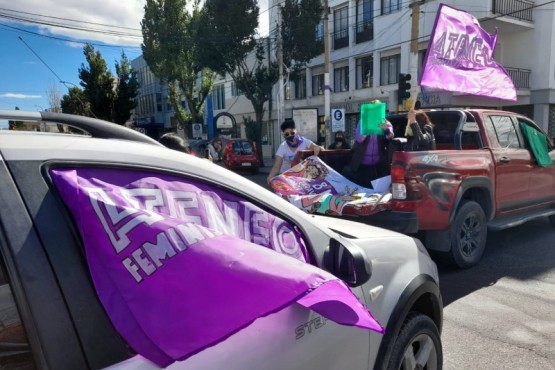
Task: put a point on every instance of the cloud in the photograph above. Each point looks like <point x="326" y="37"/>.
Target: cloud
<point x="114" y="22"/>
<point x="20" y="96"/>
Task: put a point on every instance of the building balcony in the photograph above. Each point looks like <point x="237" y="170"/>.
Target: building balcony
<point x="340" y="39"/>
<point x="509" y="16"/>
<point x="516" y="9"/>
<point x="520" y="77"/>
<point x="364" y="31"/>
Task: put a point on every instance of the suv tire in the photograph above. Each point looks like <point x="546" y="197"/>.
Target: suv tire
<point x="418" y="345"/>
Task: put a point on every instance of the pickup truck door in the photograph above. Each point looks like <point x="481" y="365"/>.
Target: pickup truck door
<point x="542" y="179"/>
<point x="513" y="163"/>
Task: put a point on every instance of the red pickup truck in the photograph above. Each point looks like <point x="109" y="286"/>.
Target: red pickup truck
<point x="483" y="175"/>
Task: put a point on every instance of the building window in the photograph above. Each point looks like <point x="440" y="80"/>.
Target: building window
<point x="341" y="79"/>
<point x="365" y="73"/>
<point x="365" y="25"/>
<point x="341" y="28"/>
<point x="317" y="85"/>
<point x="158" y="102"/>
<point x="320" y="31"/>
<point x="218" y="97"/>
<point x="389" y="69"/>
<point x="390" y="6"/>
<point x="299" y="84"/>
<point x="235" y="91"/>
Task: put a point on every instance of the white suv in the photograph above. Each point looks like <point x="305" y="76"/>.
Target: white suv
<point x="51" y="314"/>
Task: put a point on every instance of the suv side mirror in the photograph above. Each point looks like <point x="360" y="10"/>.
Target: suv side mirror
<point x="349" y="263"/>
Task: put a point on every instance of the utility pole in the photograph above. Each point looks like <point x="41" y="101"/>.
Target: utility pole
<point x="281" y="102"/>
<point x="327" y="87"/>
<point x="413" y="54"/>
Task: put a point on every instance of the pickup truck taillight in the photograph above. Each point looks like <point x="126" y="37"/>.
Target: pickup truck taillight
<point x="398" y="185"/>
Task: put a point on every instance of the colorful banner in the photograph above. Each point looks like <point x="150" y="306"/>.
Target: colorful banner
<point x="180" y="266"/>
<point x="315" y="187"/>
<point x="460" y="58"/>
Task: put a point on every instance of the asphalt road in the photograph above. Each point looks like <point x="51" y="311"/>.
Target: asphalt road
<point x="501" y="313"/>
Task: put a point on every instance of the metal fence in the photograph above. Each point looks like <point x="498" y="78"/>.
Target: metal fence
<point x="519" y="9"/>
<point x="520" y="77"/>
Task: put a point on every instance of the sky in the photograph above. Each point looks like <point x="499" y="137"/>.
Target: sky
<point x="42" y="41"/>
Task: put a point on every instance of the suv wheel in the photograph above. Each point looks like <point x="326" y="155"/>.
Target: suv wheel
<point x="468" y="235"/>
<point x="418" y="345"/>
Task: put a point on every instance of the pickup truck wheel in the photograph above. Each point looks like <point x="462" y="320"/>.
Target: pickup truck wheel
<point x="468" y="235"/>
<point x="418" y="345"/>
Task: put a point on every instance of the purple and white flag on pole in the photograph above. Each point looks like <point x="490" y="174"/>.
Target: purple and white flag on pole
<point x="180" y="266"/>
<point x="460" y="58"/>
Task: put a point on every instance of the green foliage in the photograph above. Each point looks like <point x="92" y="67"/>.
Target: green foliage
<point x="170" y="48"/>
<point x="227" y="30"/>
<point x="252" y="129"/>
<point x="126" y="91"/>
<point x="299" y="21"/>
<point x="103" y="95"/>
<point x="75" y="102"/>
<point x="16" y="125"/>
<point x="97" y="82"/>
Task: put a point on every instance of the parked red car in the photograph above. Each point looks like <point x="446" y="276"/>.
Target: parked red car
<point x="241" y="155"/>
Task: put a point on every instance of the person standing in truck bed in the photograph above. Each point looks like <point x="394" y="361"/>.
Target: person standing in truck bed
<point x="419" y="132"/>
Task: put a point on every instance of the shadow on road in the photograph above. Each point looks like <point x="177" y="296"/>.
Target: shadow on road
<point x="524" y="252"/>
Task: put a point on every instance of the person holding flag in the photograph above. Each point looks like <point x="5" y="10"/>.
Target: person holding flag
<point x="419" y="131"/>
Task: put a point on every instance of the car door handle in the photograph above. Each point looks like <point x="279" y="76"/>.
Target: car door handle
<point x="504" y="159"/>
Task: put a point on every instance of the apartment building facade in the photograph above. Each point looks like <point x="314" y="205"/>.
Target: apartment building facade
<point x="369" y="46"/>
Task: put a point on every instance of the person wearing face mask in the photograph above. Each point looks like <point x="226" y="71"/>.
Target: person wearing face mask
<point x="340" y="142"/>
<point x="288" y="148"/>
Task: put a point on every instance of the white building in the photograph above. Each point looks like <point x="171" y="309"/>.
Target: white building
<point x="370" y="45"/>
<point x="153" y="111"/>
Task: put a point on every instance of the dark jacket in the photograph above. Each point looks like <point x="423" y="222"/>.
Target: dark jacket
<point x="422" y="138"/>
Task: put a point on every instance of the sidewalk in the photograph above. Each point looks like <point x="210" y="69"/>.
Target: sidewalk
<point x="268" y="163"/>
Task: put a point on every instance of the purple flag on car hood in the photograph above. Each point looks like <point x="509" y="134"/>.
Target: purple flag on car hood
<point x="175" y="263"/>
<point x="460" y="58"/>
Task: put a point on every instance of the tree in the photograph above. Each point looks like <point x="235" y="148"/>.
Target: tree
<point x="231" y="44"/>
<point x="75" y="102"/>
<point x="98" y="84"/>
<point x="55" y="101"/>
<point x="229" y="50"/>
<point x="16" y="125"/>
<point x="170" y="50"/>
<point x="126" y="91"/>
<point x="298" y="32"/>
<point x="54" y="98"/>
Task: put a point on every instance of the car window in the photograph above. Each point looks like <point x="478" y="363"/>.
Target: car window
<point x="242" y="147"/>
<point x="505" y="131"/>
<point x="151" y="237"/>
<point x="15" y="352"/>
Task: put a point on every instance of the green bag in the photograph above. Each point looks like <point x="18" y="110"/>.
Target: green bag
<point x="372" y="115"/>
<point x="538" y="144"/>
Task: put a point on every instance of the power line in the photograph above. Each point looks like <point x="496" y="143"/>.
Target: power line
<point x="71" y="20"/>
<point x="38" y="56"/>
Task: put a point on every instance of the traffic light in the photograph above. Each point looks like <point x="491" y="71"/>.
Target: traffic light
<point x="404" y="87"/>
